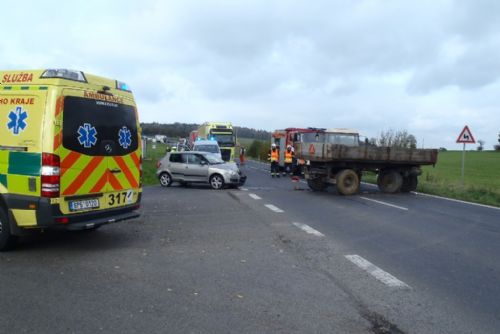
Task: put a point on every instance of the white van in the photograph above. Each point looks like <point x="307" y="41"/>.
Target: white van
<point x="210" y="146"/>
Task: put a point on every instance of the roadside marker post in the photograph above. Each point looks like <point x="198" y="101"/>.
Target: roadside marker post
<point x="465" y="137"/>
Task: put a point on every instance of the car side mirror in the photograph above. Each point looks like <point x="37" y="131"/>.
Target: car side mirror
<point x="203" y="162"/>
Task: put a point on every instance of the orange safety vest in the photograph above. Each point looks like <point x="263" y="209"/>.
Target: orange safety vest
<point x="275" y="155"/>
<point x="288" y="157"/>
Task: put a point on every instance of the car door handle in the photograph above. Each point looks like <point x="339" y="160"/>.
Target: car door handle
<point x="115" y="171"/>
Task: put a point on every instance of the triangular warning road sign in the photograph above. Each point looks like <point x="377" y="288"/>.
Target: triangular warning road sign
<point x="312" y="150"/>
<point x="466" y="136"/>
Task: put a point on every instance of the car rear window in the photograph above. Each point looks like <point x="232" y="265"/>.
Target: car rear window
<point x="95" y="127"/>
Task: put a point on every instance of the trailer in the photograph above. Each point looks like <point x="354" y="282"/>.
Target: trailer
<point x="337" y="157"/>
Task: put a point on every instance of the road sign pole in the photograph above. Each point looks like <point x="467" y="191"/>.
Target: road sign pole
<point x="463" y="164"/>
<point x="465" y="137"/>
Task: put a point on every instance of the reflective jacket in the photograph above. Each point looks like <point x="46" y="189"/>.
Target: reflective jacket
<point x="274" y="155"/>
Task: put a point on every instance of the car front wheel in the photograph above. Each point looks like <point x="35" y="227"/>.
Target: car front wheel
<point x="216" y="181"/>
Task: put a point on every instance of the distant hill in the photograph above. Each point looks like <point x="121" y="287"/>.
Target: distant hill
<point x="182" y="130"/>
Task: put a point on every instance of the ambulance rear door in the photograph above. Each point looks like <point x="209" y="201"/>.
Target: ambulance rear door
<point x="100" y="152"/>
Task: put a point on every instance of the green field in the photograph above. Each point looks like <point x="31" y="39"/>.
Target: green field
<point x="481" y="181"/>
<point x="149" y="162"/>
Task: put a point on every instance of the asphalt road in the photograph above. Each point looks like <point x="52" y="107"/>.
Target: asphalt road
<point x="272" y="257"/>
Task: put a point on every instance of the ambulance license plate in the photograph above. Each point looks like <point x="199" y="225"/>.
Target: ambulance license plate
<point x="84" y="204"/>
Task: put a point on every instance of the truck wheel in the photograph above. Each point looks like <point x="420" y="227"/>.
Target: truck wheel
<point x="389" y="181"/>
<point x="347" y="182"/>
<point x="409" y="183"/>
<point x="317" y="184"/>
<point x="7" y="240"/>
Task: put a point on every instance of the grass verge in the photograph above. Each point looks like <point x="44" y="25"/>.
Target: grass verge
<point x="481" y="180"/>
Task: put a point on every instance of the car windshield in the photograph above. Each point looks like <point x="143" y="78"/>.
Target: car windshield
<point x="207" y="148"/>
<point x="213" y="159"/>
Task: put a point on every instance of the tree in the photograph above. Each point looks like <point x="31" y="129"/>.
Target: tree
<point x="400" y="138"/>
<point x="259" y="149"/>
<point x="481" y="144"/>
<point x="497" y="147"/>
<point x="254" y="149"/>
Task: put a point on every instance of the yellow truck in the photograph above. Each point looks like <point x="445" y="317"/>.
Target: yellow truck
<point x="224" y="134"/>
<point x="70" y="152"/>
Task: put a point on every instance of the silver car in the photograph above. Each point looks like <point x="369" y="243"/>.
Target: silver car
<point x="198" y="167"/>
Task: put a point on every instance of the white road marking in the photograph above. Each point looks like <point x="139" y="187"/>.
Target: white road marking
<point x="244" y="189"/>
<point x="309" y="229"/>
<point x="457" y="201"/>
<point x="254" y="196"/>
<point x="376" y="272"/>
<point x="384" y="203"/>
<point x="274" y="208"/>
<point x="445" y="198"/>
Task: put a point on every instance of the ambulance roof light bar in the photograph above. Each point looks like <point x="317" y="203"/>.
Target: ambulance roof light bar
<point x="122" y="86"/>
<point x="64" y="74"/>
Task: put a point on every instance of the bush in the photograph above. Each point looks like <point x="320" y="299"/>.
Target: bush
<point x="254" y="149"/>
<point x="497" y="148"/>
<point x="259" y="149"/>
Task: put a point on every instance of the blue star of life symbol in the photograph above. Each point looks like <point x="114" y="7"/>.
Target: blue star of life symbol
<point x="87" y="135"/>
<point x="124" y="137"/>
<point x="17" y="121"/>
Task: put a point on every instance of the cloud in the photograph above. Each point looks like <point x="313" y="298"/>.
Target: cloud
<point x="364" y="64"/>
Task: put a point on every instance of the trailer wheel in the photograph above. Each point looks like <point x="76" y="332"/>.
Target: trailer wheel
<point x="7" y="240"/>
<point x="347" y="182"/>
<point x="409" y="183"/>
<point x="317" y="184"/>
<point x="389" y="181"/>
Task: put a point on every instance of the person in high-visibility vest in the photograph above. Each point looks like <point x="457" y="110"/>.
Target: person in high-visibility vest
<point x="242" y="155"/>
<point x="288" y="160"/>
<point x="274" y="156"/>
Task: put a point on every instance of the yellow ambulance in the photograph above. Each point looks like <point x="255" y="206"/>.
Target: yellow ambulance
<point x="70" y="152"/>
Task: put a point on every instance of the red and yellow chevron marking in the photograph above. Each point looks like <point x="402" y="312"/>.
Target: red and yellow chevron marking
<point x="85" y="175"/>
<point x="101" y="183"/>
<point x="69" y="161"/>
<point x="59" y="106"/>
<point x="136" y="160"/>
<point x="113" y="181"/>
<point x="128" y="174"/>
<point x="82" y="174"/>
<point x="57" y="140"/>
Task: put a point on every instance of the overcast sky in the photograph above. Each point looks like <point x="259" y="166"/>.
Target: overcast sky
<point x="429" y="67"/>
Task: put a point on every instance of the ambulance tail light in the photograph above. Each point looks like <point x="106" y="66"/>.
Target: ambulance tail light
<point x="51" y="175"/>
<point x="64" y="74"/>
